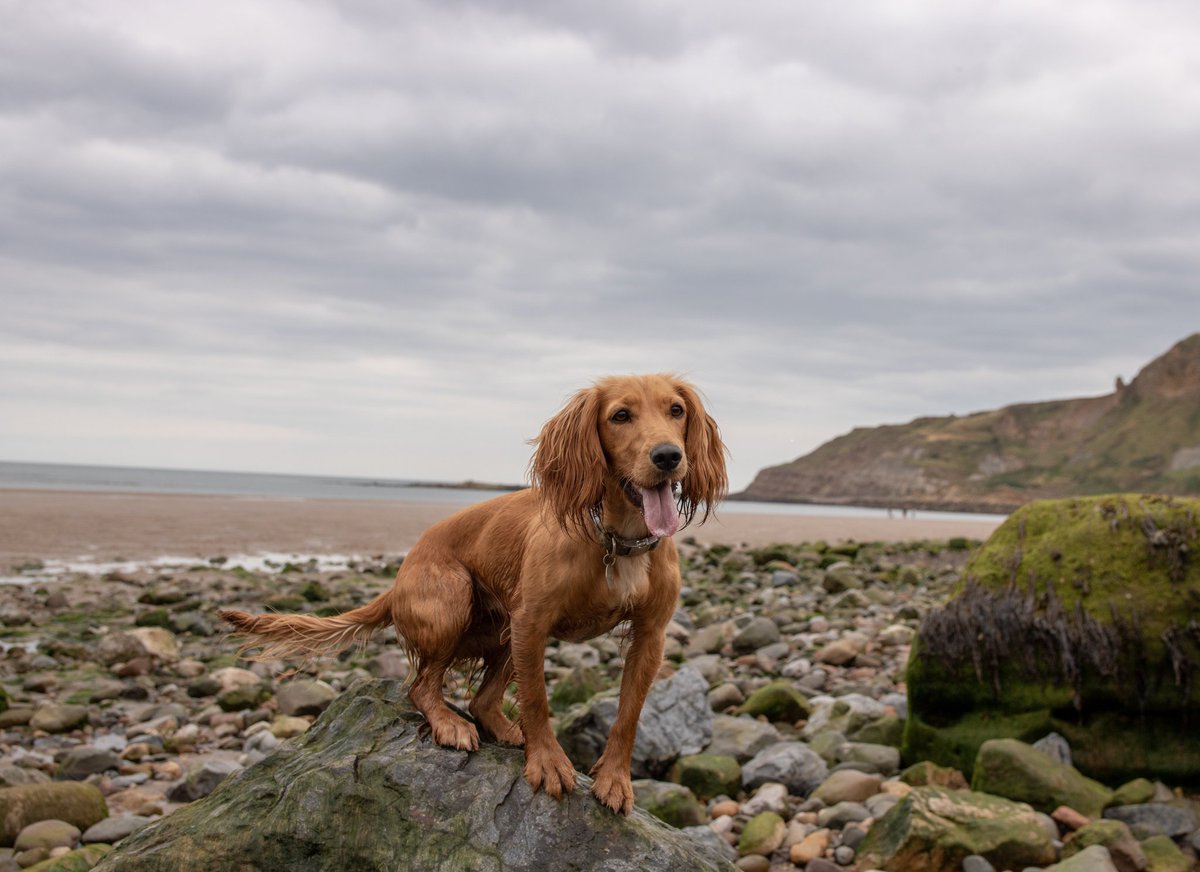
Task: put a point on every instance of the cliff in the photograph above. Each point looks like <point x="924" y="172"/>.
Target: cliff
<point x="1145" y="436"/>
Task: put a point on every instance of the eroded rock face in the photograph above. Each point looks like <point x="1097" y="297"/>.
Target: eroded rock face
<point x="362" y="790"/>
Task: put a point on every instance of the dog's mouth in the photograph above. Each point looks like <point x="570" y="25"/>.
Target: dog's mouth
<point x="657" y="504"/>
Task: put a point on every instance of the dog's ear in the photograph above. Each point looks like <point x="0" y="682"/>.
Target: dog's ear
<point x="706" y="481"/>
<point x="568" y="465"/>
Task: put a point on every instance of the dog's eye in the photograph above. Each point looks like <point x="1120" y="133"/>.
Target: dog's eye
<point x="621" y="416"/>
<point x="676" y="410"/>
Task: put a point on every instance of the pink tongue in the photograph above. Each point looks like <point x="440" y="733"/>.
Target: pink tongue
<point x="658" y="508"/>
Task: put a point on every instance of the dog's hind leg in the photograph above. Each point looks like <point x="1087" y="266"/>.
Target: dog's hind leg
<point x="487" y="704"/>
<point x="431" y="611"/>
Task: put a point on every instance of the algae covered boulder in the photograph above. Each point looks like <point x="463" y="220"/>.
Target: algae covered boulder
<point x="1014" y="770"/>
<point x="362" y="789"/>
<point x="1078" y="616"/>
<point x="933" y="829"/>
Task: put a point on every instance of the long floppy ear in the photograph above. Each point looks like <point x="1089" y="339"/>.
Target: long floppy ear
<point x="568" y="465"/>
<point x="706" y="481"/>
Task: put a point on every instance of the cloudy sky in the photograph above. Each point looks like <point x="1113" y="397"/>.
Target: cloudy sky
<point x="389" y="238"/>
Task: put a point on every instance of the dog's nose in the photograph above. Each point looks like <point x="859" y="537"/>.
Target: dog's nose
<point x="666" y="456"/>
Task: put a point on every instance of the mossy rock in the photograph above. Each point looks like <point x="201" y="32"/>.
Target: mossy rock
<point x="314" y="592"/>
<point x="79" y="804"/>
<point x="362" y="789"/>
<point x="80" y="860"/>
<point x="778" y="702"/>
<point x="154" y="618"/>
<point x="1073" y="617"/>
<point x="672" y="804"/>
<point x="1164" y="855"/>
<point x="1133" y="792"/>
<point x="1020" y="772"/>
<point x="579" y="685"/>
<point x="238" y="699"/>
<point x="708" y="775"/>
<point x="933" y="829"/>
<point x="762" y="834"/>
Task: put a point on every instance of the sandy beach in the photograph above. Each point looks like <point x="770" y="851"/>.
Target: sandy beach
<point x="66" y="525"/>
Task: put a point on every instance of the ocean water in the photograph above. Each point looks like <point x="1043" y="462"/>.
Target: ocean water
<point x="129" y="479"/>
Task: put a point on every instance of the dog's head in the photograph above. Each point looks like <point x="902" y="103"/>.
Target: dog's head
<point x="649" y="434"/>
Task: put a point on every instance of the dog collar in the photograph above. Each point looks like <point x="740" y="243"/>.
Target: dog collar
<point x="616" y="546"/>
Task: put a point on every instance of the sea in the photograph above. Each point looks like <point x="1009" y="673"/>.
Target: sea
<point x="133" y="479"/>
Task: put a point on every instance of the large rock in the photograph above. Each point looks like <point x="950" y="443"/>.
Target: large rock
<point x="304" y="696"/>
<point x="153" y="642"/>
<point x="740" y="738"/>
<point x="933" y="829"/>
<point x="1020" y="772"/>
<point x="362" y="790"/>
<point x="1073" y="618"/>
<point x="78" y="804"/>
<point x="676" y="720"/>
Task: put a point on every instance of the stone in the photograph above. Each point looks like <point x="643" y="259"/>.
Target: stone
<point x="230" y="677"/>
<point x="762" y="834"/>
<point x="706" y="640"/>
<point x="847" y="785"/>
<point x="883" y="759"/>
<point x="47" y="834"/>
<point x="672" y="804"/>
<point x="838" y="815"/>
<point x="793" y="764"/>
<point x="237" y="699"/>
<point x="725" y="696"/>
<point x="740" y="737"/>
<point x="1093" y="859"/>
<point x="154" y="642"/>
<point x="77" y="803"/>
<point x="74" y="861"/>
<point x="822" y="865"/>
<point x="1123" y="849"/>
<point x="1070" y="819"/>
<point x="809" y="848"/>
<point x="933" y="829"/>
<point x="1017" y="771"/>
<point x="1156" y="817"/>
<point x="708" y="775"/>
<point x="839" y="652"/>
<point x="414" y="805"/>
<point x="759" y="633"/>
<point x="1163" y="855"/>
<point x="676" y="721"/>
<point x="78" y="763"/>
<point x="975" y="863"/>
<point x="202" y="780"/>
<point x="778" y="701"/>
<point x="11" y="776"/>
<point x="707" y="839"/>
<point x="287" y="726"/>
<point x="849" y="715"/>
<point x="843" y="855"/>
<point x="304" y="697"/>
<point x="753" y="863"/>
<point x="389" y="663"/>
<point x="1134" y="792"/>
<point x="927" y="773"/>
<point x="1055" y="747"/>
<point x="771" y="796"/>
<point x="112" y="830"/>
<point x="1068" y="620"/>
<point x="57" y="717"/>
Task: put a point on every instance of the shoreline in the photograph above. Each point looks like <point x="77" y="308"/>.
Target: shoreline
<point x="114" y="525"/>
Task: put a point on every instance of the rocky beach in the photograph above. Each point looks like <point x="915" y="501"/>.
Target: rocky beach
<point x="771" y="741"/>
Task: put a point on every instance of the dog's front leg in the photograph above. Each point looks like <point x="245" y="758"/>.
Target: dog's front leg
<point x="612" y="785"/>
<point x="546" y="766"/>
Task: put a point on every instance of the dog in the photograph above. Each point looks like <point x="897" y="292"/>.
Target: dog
<point x="614" y="476"/>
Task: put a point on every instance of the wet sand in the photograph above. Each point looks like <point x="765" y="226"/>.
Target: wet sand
<point x="66" y="525"/>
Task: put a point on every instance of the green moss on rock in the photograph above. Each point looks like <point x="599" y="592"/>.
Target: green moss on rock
<point x="708" y="775"/>
<point x="79" y="804"/>
<point x="1017" y="771"/>
<point x="778" y="701"/>
<point x="79" y="860"/>
<point x="1163" y="855"/>
<point x="762" y="834"/>
<point x="1079" y="614"/>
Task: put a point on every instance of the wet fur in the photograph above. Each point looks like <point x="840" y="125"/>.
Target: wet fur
<point x="494" y="581"/>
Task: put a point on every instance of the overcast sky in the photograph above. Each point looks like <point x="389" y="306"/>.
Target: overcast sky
<point x="389" y="238"/>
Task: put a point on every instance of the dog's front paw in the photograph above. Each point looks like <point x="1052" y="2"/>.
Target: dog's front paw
<point x="614" y="789"/>
<point x="549" y="769"/>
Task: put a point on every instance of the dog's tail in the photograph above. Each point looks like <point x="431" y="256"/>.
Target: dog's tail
<point x="301" y="637"/>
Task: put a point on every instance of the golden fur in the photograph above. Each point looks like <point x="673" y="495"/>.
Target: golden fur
<point x="494" y="581"/>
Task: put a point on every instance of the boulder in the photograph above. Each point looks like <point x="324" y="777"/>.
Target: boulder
<point x="675" y="721"/>
<point x="363" y="790"/>
<point x="932" y="829"/>
<point x="1020" y="772"/>
<point x="1073" y="618"/>
<point x="672" y="804"/>
<point x="708" y="775"/>
<point x="76" y="803"/>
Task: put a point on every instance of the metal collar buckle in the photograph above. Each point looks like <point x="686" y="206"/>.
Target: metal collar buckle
<point x="614" y="546"/>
